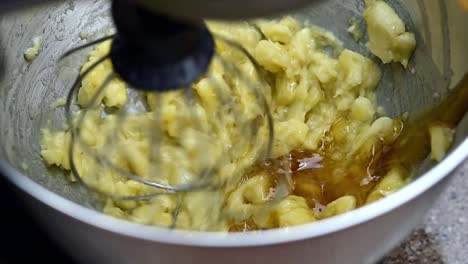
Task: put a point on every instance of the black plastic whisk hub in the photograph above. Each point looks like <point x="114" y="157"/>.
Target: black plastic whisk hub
<point x="157" y="53"/>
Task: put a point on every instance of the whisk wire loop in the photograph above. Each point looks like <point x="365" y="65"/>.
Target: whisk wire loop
<point x="203" y="178"/>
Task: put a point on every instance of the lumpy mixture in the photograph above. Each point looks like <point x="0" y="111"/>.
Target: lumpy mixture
<point x="329" y="140"/>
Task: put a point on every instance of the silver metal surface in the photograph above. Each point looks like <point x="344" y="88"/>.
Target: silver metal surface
<point x="27" y="91"/>
<point x="12" y="5"/>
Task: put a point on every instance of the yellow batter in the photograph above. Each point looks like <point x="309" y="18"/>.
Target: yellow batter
<point x="308" y="91"/>
<point x="388" y="38"/>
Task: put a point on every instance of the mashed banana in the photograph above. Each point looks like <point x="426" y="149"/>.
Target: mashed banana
<point x="31" y="53"/>
<point x="388" y="38"/>
<point x="311" y="95"/>
<point x="441" y="140"/>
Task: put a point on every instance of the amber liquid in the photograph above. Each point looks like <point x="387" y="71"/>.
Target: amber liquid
<point x="332" y="178"/>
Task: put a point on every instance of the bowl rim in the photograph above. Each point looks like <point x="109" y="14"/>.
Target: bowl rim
<point x="320" y="228"/>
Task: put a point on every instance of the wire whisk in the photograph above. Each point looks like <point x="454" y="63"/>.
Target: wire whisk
<point x="173" y="141"/>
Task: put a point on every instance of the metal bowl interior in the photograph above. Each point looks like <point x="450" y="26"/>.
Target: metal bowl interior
<point x="27" y="90"/>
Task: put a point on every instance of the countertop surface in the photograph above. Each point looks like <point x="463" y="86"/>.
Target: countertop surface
<point x="443" y="238"/>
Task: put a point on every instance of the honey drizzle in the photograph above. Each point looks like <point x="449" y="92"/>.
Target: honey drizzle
<point x="358" y="174"/>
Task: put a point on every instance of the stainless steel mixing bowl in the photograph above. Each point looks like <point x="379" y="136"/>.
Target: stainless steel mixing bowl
<point x="27" y="91"/>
